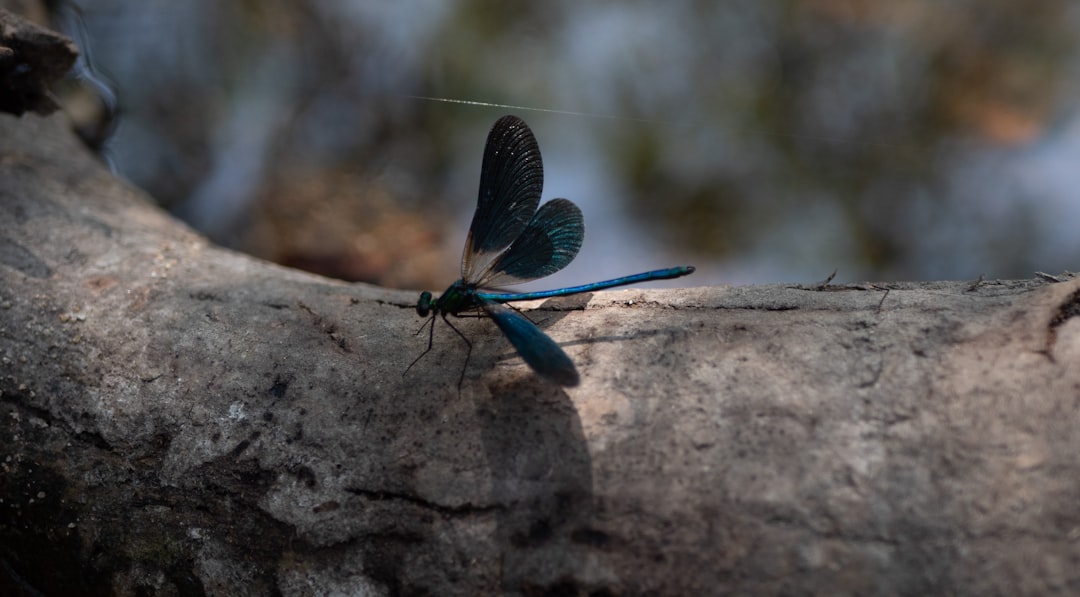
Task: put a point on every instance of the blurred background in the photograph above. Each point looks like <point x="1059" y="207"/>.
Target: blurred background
<point x="762" y="141"/>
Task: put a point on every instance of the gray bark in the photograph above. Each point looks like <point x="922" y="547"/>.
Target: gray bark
<point x="180" y="419"/>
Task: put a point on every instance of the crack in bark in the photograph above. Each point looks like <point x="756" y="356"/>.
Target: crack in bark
<point x="1065" y="311"/>
<point x="466" y="509"/>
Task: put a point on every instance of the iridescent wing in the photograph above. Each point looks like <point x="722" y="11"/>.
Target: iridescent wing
<point x="539" y="351"/>
<point x="511" y="180"/>
<point x="549" y="243"/>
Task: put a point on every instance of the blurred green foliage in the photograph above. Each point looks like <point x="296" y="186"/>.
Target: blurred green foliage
<point x="764" y="140"/>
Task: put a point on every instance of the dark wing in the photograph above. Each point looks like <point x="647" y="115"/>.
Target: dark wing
<point x="549" y="243"/>
<point x="540" y="352"/>
<point x="511" y="180"/>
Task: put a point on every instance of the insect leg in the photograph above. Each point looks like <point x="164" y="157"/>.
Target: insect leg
<point x="430" y="339"/>
<point x="468" y="353"/>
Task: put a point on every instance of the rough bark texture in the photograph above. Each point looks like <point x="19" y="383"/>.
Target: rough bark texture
<point x="180" y="419"/>
<point x="31" y="59"/>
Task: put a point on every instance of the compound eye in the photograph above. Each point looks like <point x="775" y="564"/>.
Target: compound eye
<point x="423" y="306"/>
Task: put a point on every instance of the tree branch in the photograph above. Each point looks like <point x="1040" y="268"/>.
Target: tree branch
<point x="179" y="418"/>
